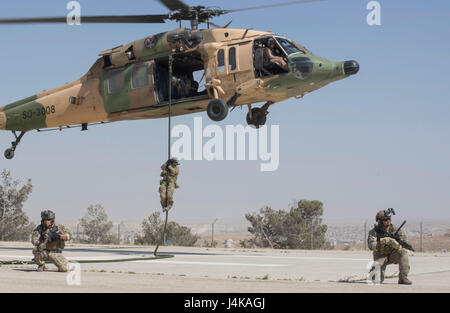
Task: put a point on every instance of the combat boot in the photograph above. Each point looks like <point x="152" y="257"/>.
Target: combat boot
<point x="41" y="268"/>
<point x="403" y="280"/>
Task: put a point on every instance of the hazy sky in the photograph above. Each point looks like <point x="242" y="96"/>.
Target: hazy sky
<point x="376" y="140"/>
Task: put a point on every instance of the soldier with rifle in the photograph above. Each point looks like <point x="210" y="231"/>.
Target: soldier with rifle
<point x="49" y="239"/>
<point x="389" y="245"/>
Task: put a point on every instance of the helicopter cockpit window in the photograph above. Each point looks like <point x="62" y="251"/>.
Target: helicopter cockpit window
<point x="221" y="61"/>
<point x="232" y="59"/>
<point x="139" y="76"/>
<point x="116" y="81"/>
<point x="288" y="46"/>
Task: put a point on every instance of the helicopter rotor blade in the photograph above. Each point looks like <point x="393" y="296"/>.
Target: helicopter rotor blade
<point x="272" y="5"/>
<point x="160" y="18"/>
<point x="174" y="5"/>
<point x="184" y="13"/>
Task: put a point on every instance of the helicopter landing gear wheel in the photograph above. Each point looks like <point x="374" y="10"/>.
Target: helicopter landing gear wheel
<point x="257" y="118"/>
<point x="9" y="153"/>
<point x="217" y="110"/>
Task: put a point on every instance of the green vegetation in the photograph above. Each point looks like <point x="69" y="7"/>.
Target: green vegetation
<point x="300" y="228"/>
<point x="97" y="227"/>
<point x="14" y="223"/>
<point x="152" y="229"/>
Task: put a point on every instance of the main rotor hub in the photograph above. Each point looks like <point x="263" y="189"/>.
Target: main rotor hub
<point x="198" y="14"/>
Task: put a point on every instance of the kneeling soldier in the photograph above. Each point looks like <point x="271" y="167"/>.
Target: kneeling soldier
<point x="49" y="239"/>
<point x="387" y="250"/>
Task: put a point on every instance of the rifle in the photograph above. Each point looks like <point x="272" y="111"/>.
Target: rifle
<point x="48" y="237"/>
<point x="381" y="233"/>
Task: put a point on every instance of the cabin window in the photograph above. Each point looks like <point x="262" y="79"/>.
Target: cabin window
<point x="139" y="76"/>
<point x="232" y="59"/>
<point x="221" y="61"/>
<point x="116" y="81"/>
<point x="199" y="77"/>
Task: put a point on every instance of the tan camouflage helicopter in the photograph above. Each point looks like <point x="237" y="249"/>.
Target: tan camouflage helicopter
<point x="138" y="80"/>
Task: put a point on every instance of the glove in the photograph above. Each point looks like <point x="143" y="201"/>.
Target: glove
<point x="390" y="242"/>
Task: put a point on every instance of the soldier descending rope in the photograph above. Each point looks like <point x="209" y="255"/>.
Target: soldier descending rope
<point x="168" y="183"/>
<point x="170" y="170"/>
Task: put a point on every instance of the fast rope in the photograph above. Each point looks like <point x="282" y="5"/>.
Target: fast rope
<point x="21" y="262"/>
<point x="169" y="133"/>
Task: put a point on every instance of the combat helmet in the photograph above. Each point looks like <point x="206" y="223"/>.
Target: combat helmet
<point x="270" y="41"/>
<point x="174" y="161"/>
<point x="47" y="215"/>
<point x="384" y="215"/>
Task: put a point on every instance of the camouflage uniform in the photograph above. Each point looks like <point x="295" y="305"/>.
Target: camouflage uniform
<point x="274" y="59"/>
<point x="168" y="183"/>
<point x="49" y="251"/>
<point x="183" y="86"/>
<point x="389" y="251"/>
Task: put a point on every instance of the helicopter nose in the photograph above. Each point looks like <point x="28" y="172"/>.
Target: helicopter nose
<point x="351" y="67"/>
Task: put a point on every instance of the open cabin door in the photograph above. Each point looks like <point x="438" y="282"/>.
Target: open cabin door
<point x="129" y="87"/>
<point x="188" y="78"/>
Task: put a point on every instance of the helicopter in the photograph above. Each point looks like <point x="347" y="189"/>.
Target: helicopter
<point x="160" y="75"/>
